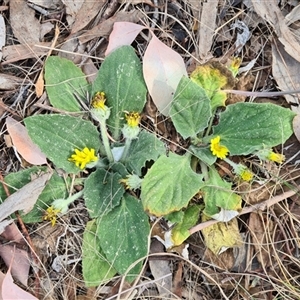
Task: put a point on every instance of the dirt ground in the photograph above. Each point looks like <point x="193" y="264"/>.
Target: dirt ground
<point x="265" y="35"/>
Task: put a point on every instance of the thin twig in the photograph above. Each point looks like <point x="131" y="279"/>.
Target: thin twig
<point x="246" y="210"/>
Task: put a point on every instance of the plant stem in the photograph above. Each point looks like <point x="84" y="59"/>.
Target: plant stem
<point x="204" y="170"/>
<point x="74" y="197"/>
<point x="208" y="130"/>
<point x="126" y="149"/>
<point x="105" y="141"/>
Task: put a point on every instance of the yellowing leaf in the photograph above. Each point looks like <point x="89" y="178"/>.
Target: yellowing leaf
<point x="212" y="79"/>
<point x="181" y="231"/>
<point x="221" y="236"/>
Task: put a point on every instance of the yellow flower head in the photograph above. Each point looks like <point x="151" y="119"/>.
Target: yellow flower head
<point x="246" y="175"/>
<point x="235" y="65"/>
<point x="84" y="157"/>
<point x="217" y="149"/>
<point x="51" y="215"/>
<point x="268" y="154"/>
<point x="242" y="171"/>
<point x="133" y="119"/>
<point x="279" y="158"/>
<point x="98" y="101"/>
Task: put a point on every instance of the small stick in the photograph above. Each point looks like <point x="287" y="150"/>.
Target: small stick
<point x="246" y="210"/>
<point x="261" y="94"/>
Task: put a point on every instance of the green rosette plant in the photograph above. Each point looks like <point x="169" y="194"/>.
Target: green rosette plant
<point x="126" y="172"/>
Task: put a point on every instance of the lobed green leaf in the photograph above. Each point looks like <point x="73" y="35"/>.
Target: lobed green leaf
<point x="120" y="77"/>
<point x="123" y="235"/>
<point x="64" y="80"/>
<point x="59" y="135"/>
<point x="102" y="192"/>
<point x="95" y="266"/>
<point x="246" y="127"/>
<point x="190" y="108"/>
<point x="169" y="185"/>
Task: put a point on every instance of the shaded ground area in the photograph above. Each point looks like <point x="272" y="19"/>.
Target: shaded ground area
<point x="266" y="37"/>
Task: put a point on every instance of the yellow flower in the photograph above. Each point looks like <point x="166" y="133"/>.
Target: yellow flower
<point x="133" y="119"/>
<point x="242" y="171"/>
<point x="268" y="154"/>
<point x="217" y="149"/>
<point x="279" y="158"/>
<point x="98" y="101"/>
<point x="234" y="65"/>
<point x="51" y="215"/>
<point x="84" y="157"/>
<point x="246" y="175"/>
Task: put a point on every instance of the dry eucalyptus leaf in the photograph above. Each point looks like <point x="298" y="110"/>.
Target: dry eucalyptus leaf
<point x="9" y="290"/>
<point x="26" y="27"/>
<point x="293" y="16"/>
<point x="10" y="82"/>
<point x="260" y="228"/>
<point x="296" y="126"/>
<point x="2" y="35"/>
<point x="23" y="143"/>
<point x="17" y="259"/>
<point x="25" y="198"/>
<point x="207" y="28"/>
<point x="4" y="224"/>
<point x="269" y="11"/>
<point x="123" y="33"/>
<point x="163" y="68"/>
<point x="161" y="269"/>
<point x="72" y="8"/>
<point x="104" y="28"/>
<point x="50" y="4"/>
<point x="286" y="72"/>
<point x="15" y="53"/>
<point x="86" y="13"/>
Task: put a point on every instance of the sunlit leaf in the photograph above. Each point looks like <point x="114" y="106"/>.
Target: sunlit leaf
<point x="59" y="135"/>
<point x="246" y="127"/>
<point x="211" y="79"/>
<point x="169" y="185"/>
<point x="181" y="231"/>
